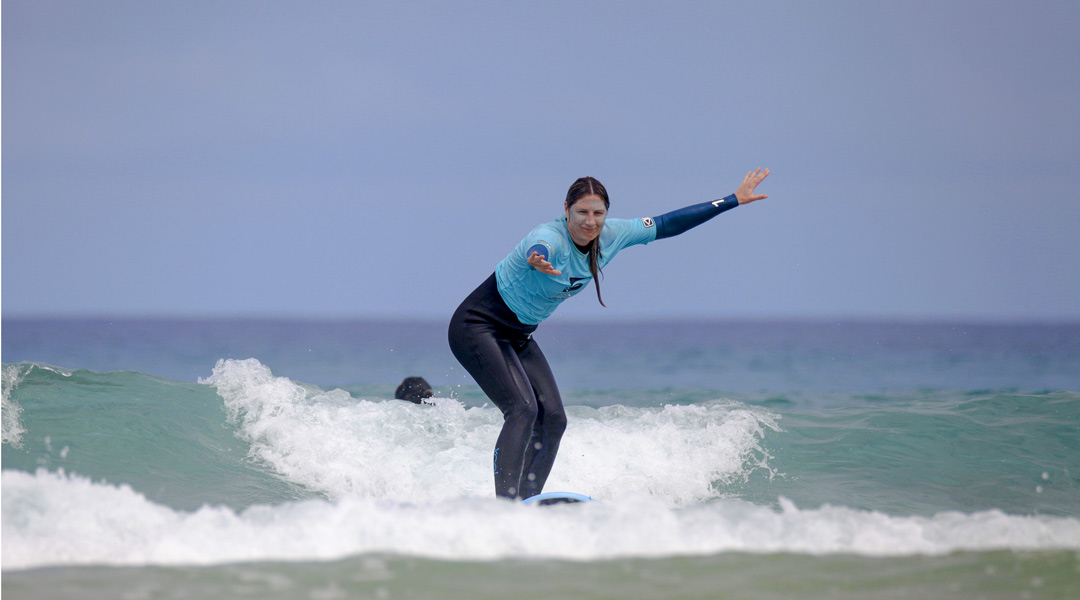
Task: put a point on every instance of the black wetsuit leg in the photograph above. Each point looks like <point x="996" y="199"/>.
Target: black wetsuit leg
<point x="497" y="350"/>
<point x="550" y="422"/>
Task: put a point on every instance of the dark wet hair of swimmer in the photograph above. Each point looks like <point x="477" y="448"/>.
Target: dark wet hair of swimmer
<point x="413" y="389"/>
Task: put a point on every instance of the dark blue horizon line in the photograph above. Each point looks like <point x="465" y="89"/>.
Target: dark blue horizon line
<point x="838" y="319"/>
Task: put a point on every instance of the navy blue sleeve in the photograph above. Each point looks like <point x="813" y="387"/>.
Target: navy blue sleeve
<point x="678" y="221"/>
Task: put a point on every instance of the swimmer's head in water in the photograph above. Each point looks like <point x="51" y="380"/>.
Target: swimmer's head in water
<point x="413" y="389"/>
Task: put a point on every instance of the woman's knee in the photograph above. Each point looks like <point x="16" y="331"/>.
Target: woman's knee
<point x="522" y="411"/>
<point x="554" y="424"/>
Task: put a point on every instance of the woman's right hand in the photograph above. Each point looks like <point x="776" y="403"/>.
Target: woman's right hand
<point x="537" y="262"/>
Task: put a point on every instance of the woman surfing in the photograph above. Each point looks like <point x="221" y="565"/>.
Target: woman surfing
<point x="491" y="331"/>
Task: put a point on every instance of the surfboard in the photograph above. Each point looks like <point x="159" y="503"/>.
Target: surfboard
<point x="550" y="498"/>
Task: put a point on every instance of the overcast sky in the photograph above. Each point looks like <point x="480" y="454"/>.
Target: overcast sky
<point x="356" y="159"/>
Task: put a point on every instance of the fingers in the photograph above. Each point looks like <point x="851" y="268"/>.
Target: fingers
<point x="753" y="178"/>
<point x="535" y="261"/>
<point x="538" y="263"/>
<point x="756" y="175"/>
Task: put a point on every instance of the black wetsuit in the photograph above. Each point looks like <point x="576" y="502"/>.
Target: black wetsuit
<point x="498" y="351"/>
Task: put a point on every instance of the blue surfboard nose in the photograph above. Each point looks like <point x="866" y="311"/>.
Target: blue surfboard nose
<point x="550" y="498"/>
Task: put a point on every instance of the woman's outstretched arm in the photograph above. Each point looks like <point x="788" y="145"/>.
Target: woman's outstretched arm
<point x="678" y="221"/>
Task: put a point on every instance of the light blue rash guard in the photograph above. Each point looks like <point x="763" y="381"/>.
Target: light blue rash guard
<point x="532" y="295"/>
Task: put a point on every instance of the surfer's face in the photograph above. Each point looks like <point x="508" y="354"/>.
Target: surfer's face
<point x="585" y="219"/>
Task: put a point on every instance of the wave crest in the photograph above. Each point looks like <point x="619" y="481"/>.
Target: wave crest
<point x="346" y="447"/>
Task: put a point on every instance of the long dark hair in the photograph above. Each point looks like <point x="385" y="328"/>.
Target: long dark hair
<point x="586" y="186"/>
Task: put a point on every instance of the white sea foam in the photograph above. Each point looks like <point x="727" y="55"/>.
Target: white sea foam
<point x="343" y="447"/>
<point x="52" y="519"/>
<point x="11" y="430"/>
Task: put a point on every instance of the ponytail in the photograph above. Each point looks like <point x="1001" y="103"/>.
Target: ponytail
<point x="594" y="267"/>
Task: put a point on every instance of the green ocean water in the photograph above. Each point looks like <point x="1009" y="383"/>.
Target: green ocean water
<point x="967" y="576"/>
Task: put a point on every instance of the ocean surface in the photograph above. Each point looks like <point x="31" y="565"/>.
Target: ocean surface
<point x="757" y="459"/>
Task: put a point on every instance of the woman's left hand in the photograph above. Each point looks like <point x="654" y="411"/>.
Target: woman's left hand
<point x="745" y="193"/>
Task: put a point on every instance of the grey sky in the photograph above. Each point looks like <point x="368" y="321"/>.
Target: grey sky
<point x="379" y="158"/>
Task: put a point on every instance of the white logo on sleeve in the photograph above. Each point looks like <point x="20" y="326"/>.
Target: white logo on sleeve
<point x="647" y="221"/>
